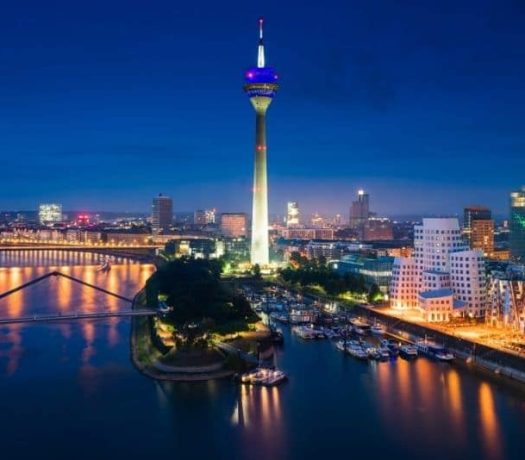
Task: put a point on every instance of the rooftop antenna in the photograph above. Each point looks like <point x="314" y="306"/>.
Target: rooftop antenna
<point x="260" y="51"/>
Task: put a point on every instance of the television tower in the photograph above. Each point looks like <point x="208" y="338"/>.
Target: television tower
<point x="260" y="85"/>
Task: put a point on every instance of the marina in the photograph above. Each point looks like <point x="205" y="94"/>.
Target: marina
<point x="352" y="334"/>
<point x="88" y="363"/>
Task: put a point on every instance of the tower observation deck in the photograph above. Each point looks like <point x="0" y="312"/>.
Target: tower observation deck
<point x="260" y="86"/>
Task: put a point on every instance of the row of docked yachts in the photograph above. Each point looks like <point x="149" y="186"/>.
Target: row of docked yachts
<point x="310" y="323"/>
<point x="389" y="349"/>
<point x="360" y="347"/>
<point x="384" y="351"/>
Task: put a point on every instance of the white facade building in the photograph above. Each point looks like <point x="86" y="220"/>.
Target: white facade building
<point x="50" y="213"/>
<point x="403" y="287"/>
<point x="469" y="281"/>
<point x="440" y="263"/>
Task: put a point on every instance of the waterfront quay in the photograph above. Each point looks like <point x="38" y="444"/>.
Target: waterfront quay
<point x="315" y="310"/>
<point x="469" y="348"/>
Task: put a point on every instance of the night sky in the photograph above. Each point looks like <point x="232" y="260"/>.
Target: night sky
<point x="105" y="104"/>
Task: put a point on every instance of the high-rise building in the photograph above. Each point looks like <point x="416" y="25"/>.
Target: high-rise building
<point x="378" y="229"/>
<point x="292" y="216"/>
<point x="479" y="229"/>
<point x="441" y="269"/>
<point x="50" y="213"/>
<point x="360" y="210"/>
<point x="210" y="216"/>
<point x="162" y="213"/>
<point x="204" y="216"/>
<point x="517" y="225"/>
<point x="482" y="236"/>
<point x="233" y="224"/>
<point x="199" y="217"/>
<point x="260" y="85"/>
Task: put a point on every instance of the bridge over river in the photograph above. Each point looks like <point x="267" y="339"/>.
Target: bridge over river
<point x="23" y="317"/>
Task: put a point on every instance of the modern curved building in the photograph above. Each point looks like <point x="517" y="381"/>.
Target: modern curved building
<point x="260" y="85"/>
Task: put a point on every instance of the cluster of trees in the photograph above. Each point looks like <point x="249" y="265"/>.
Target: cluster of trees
<point x="194" y="289"/>
<point x="307" y="272"/>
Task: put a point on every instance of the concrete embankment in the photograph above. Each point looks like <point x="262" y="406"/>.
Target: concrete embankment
<point x="486" y="358"/>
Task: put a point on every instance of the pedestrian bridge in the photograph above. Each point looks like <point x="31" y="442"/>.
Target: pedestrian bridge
<point x="129" y="311"/>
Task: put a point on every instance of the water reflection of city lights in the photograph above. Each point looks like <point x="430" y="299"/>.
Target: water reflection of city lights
<point x="56" y="294"/>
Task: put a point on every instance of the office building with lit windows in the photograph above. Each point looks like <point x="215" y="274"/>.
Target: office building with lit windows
<point x="292" y="214"/>
<point x="478" y="229"/>
<point x="50" y="213"/>
<point x="517" y="226"/>
<point x="162" y="213"/>
<point x="233" y="224"/>
<point x="359" y="210"/>
<point x="204" y="216"/>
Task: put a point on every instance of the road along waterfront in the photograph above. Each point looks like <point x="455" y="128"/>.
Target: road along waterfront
<point x="69" y="388"/>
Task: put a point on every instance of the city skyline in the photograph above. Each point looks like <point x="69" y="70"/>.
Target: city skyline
<point x="373" y="112"/>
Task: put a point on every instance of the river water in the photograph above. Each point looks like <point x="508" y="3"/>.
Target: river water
<point x="69" y="390"/>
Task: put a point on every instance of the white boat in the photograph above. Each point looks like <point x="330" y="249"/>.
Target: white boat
<point x="378" y="329"/>
<point x="373" y="353"/>
<point x="433" y="350"/>
<point x="305" y="332"/>
<point x="275" y="377"/>
<point x="264" y="376"/>
<point x="408" y="351"/>
<point x="357" y="351"/>
<point x="384" y="353"/>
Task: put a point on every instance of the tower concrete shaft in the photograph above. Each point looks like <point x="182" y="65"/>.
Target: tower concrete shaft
<point x="260" y="85"/>
<point x="260" y="246"/>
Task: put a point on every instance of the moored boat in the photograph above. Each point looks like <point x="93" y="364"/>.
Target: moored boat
<point x="433" y="350"/>
<point x="307" y="333"/>
<point x="263" y="376"/>
<point x="378" y="329"/>
<point x="384" y="353"/>
<point x="408" y="351"/>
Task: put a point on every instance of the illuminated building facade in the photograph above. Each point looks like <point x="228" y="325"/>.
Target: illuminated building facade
<point x="440" y="262"/>
<point x="50" y="213"/>
<point x="204" y="216"/>
<point x="309" y="233"/>
<point x="233" y="224"/>
<point x="292" y="215"/>
<point x="162" y="213"/>
<point x="506" y="292"/>
<point x="260" y="86"/>
<point x="517" y="226"/>
<point x="378" y="229"/>
<point x="403" y="286"/>
<point x="360" y="210"/>
<point x="468" y="280"/>
<point x="375" y="270"/>
<point x="479" y="229"/>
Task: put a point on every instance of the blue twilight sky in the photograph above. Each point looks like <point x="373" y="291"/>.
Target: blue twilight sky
<point x="105" y="104"/>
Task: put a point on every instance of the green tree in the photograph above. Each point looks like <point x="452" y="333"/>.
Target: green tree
<point x="256" y="271"/>
<point x="374" y="293"/>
